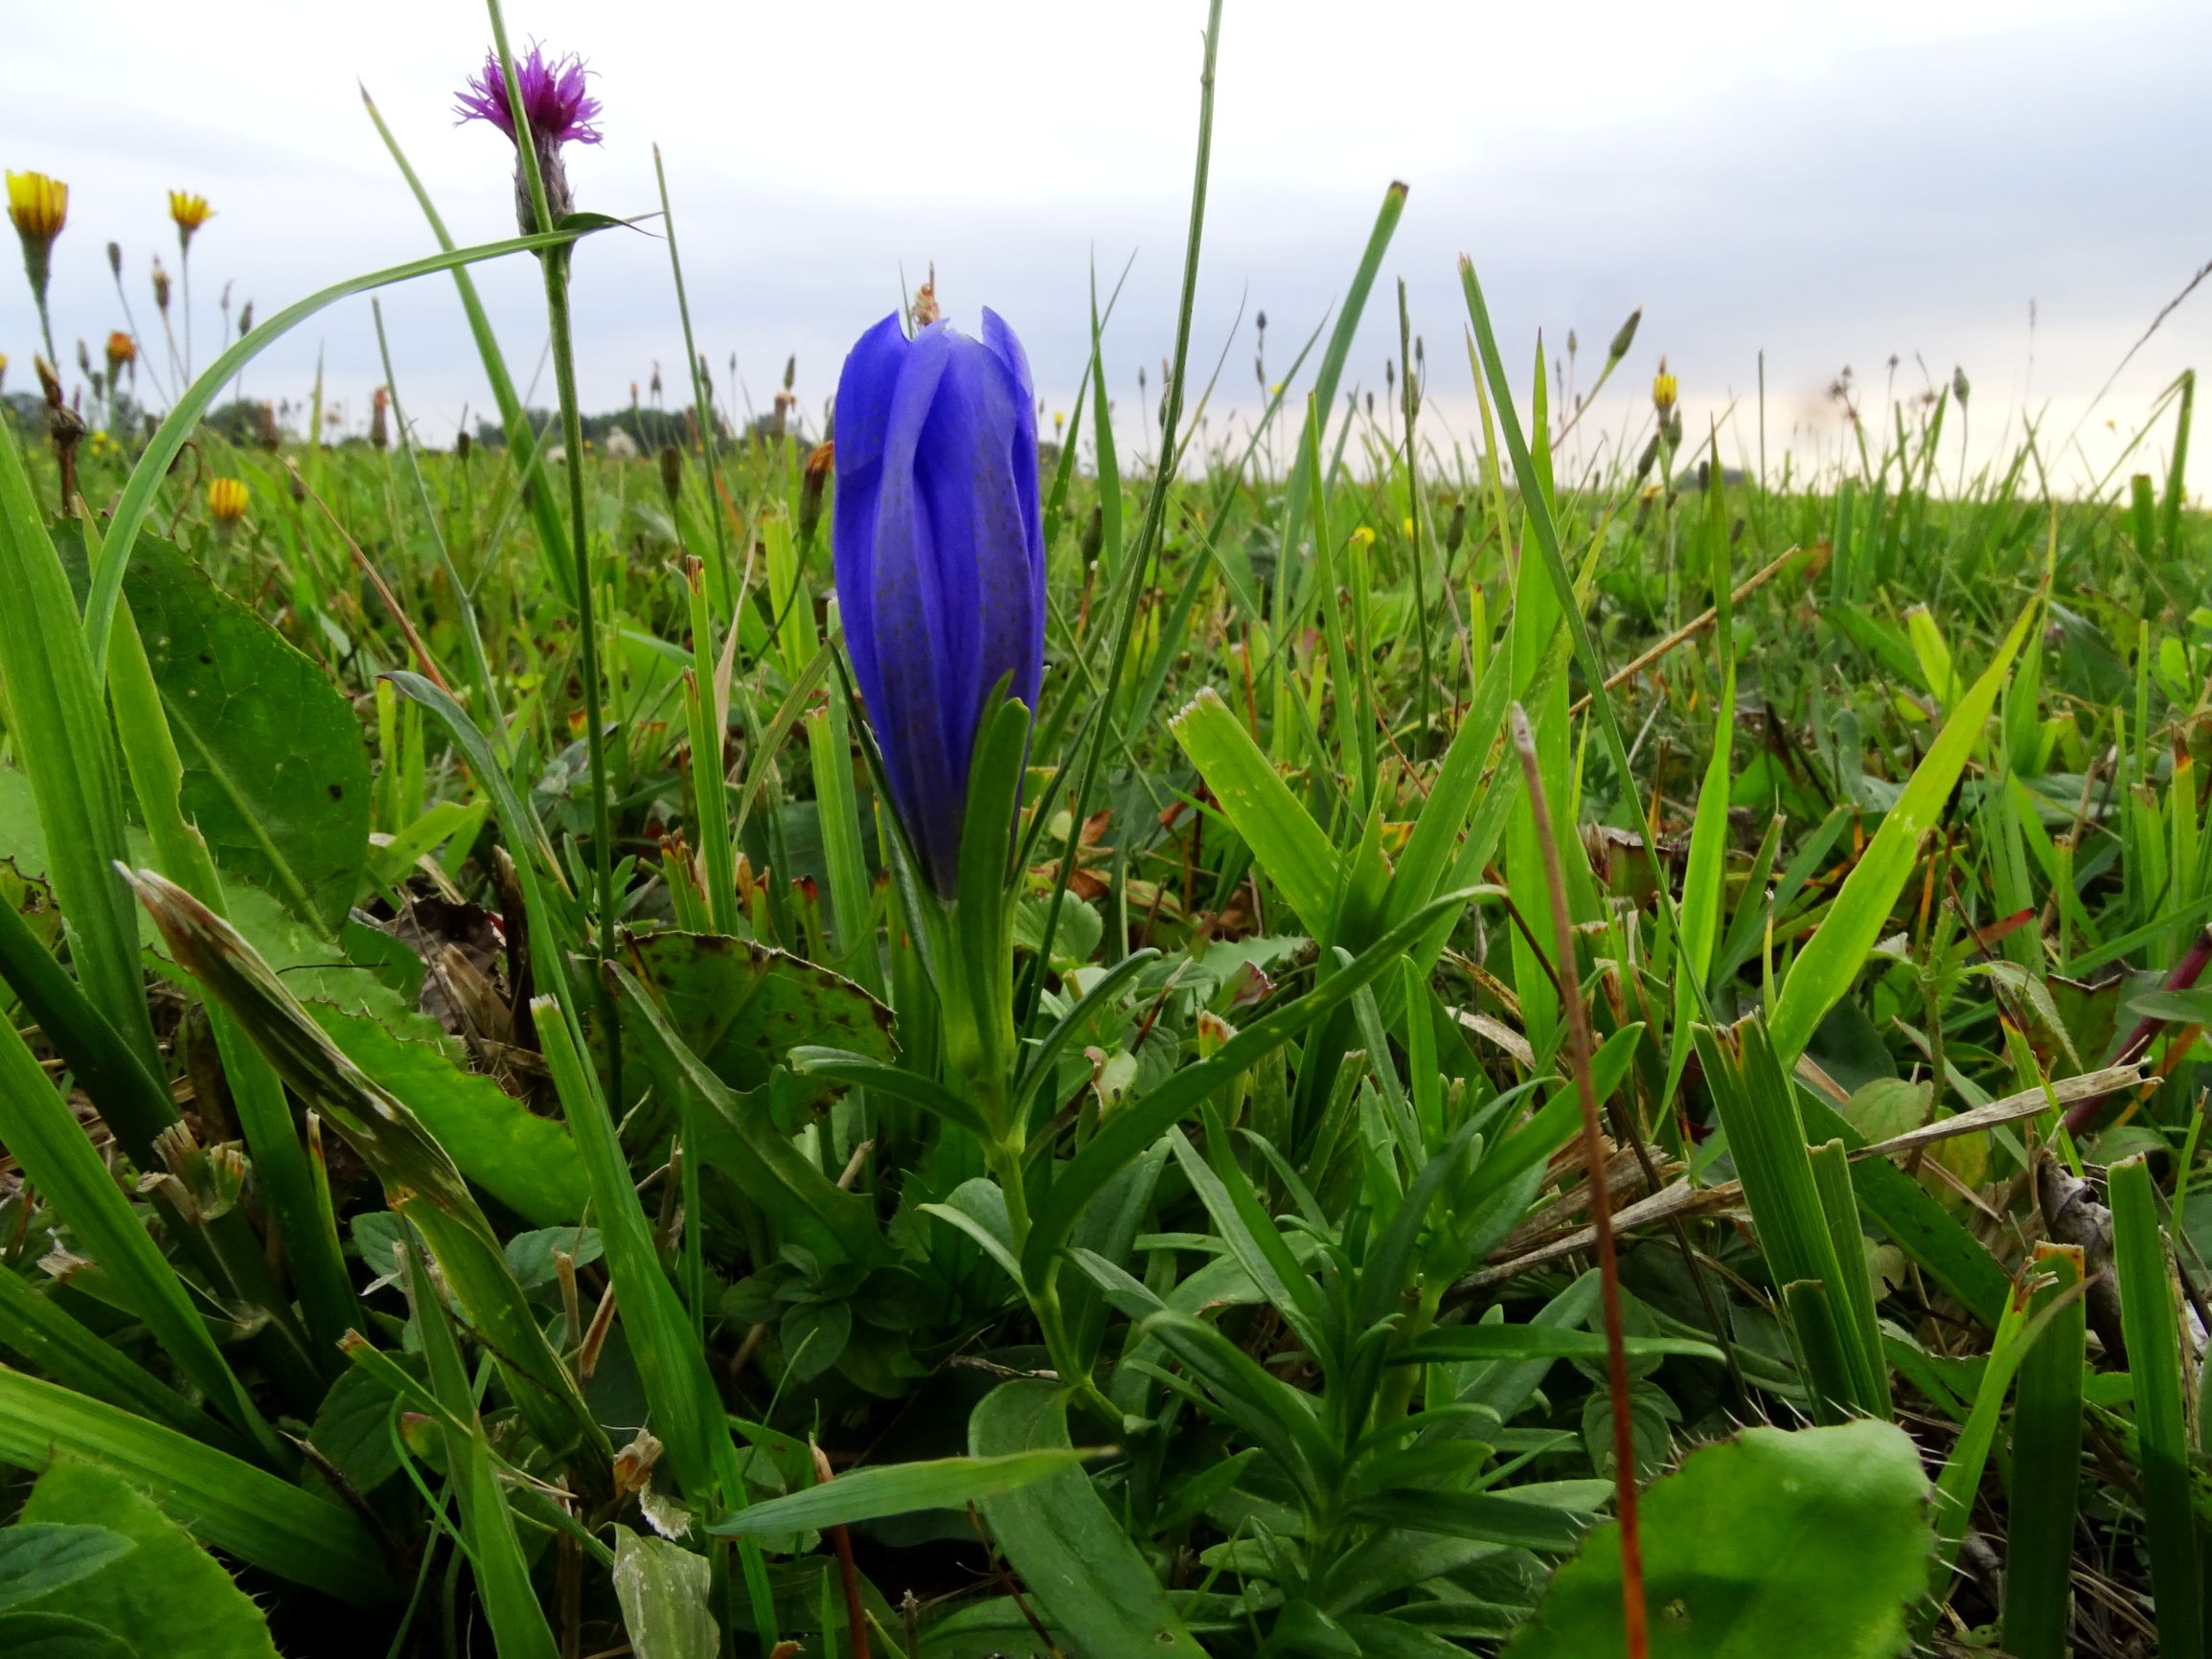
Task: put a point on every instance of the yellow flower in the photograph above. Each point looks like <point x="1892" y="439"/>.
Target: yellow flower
<point x="226" y="500"/>
<point x="1363" y="537"/>
<point x="1406" y="527"/>
<point x="1663" y="389"/>
<point x="121" y="351"/>
<point x="189" y="210"/>
<point x="37" y="205"/>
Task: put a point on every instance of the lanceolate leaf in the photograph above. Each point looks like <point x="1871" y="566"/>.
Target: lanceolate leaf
<point x="1830" y="960"/>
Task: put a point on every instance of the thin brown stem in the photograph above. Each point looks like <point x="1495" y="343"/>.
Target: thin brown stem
<point x="1600" y="1200"/>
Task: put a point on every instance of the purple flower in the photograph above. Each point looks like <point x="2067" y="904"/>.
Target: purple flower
<point x="561" y="110"/>
<point x="940" y="558"/>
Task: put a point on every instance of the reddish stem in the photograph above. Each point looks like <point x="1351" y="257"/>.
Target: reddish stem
<point x="1632" y="1615"/>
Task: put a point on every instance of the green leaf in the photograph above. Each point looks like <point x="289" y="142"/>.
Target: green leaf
<point x="1461" y="1343"/>
<point x="736" y="1135"/>
<point x="59" y="729"/>
<point x="1135" y="1127"/>
<point x="1070" y="1549"/>
<point x="36" y="1556"/>
<point x="55" y="1636"/>
<point x="1485" y="1517"/>
<point x="275" y="776"/>
<point x="168" y="1583"/>
<point x="527" y="1162"/>
<point x="742" y="1008"/>
<point x="1830" y="960"/>
<point x="867" y="1494"/>
<point x="666" y="1593"/>
<point x="1274" y="823"/>
<point x="232" y="1505"/>
<point x="1743" y="1547"/>
<point x="2150" y="1321"/>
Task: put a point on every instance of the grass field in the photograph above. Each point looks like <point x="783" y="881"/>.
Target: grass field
<point x="1524" y="1057"/>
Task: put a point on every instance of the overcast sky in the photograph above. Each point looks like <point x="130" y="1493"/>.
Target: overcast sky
<point x="1832" y="183"/>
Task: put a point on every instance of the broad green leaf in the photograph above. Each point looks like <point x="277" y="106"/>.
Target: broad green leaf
<point x="167" y="1583"/>
<point x="527" y="1162"/>
<point x="737" y="1137"/>
<point x="666" y="1593"/>
<point x="43" y="1635"/>
<point x="867" y="1494"/>
<point x="38" y="1556"/>
<point x="1070" y="1549"/>
<point x="275" y="776"/>
<point x="1832" y="958"/>
<point x="1745" y="1553"/>
<point x="741" y="1007"/>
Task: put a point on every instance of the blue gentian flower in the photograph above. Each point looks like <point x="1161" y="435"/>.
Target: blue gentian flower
<point x="940" y="556"/>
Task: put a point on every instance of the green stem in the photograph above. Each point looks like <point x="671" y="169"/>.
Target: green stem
<point x="556" y="264"/>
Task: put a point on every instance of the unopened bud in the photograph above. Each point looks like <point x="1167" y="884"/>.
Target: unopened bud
<point x="671" y="473"/>
<point x="1626" y="338"/>
<point x="810" y="485"/>
<point x="115" y="260"/>
<point x="1958" y="384"/>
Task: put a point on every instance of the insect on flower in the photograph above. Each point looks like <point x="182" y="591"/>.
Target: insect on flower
<point x="226" y="501"/>
<point x="940" y="556"/>
<point x="557" y="106"/>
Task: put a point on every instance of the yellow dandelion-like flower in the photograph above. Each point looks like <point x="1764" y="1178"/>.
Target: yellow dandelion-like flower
<point x="37" y="206"/>
<point x="226" y="500"/>
<point x="190" y="212"/>
<point x="121" y="351"/>
<point x="1363" y="537"/>
<point x="1406" y="526"/>
<point x="1664" y="389"/>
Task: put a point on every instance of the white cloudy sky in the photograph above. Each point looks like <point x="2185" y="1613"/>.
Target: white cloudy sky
<point x="1831" y="181"/>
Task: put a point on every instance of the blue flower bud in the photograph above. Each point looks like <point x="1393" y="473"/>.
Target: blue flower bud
<point x="940" y="558"/>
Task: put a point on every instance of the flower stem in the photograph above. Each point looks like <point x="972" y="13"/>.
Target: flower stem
<point x="556" y="265"/>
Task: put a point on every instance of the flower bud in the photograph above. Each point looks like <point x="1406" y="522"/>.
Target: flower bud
<point x="226" y="500"/>
<point x="811" y="482"/>
<point x="1626" y="337"/>
<point x="671" y="473"/>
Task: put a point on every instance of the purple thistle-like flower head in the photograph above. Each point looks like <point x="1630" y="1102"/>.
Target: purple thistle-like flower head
<point x="553" y="96"/>
<point x="940" y="556"/>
